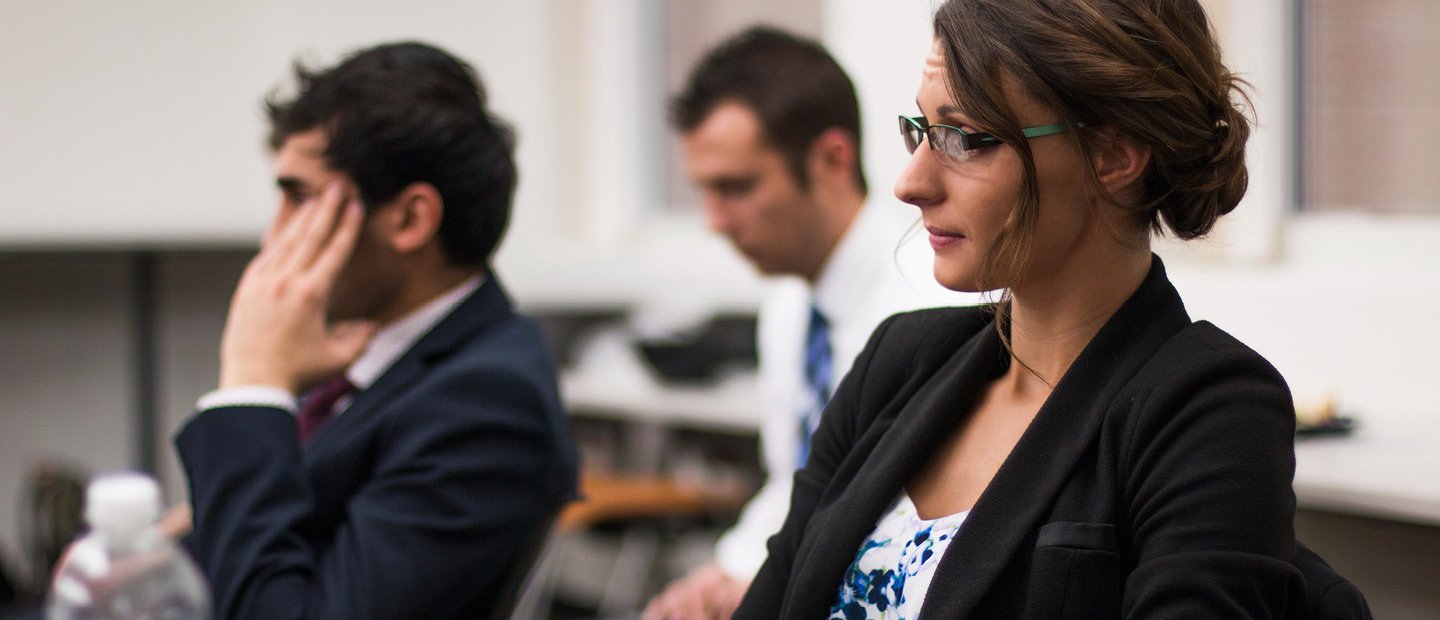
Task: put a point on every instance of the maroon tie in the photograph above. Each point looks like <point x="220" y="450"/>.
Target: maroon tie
<point x="320" y="405"/>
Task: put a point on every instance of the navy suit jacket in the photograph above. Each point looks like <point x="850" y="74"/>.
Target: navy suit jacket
<point x="414" y="503"/>
<point x="1153" y="483"/>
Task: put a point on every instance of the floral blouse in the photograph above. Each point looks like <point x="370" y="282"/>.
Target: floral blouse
<point x="892" y="570"/>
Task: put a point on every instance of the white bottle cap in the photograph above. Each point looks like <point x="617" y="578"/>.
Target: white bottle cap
<point x="121" y="505"/>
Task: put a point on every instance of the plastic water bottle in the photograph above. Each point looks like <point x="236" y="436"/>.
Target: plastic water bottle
<point x="125" y="568"/>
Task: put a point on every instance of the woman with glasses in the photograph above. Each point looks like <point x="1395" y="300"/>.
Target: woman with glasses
<point x="1082" y="448"/>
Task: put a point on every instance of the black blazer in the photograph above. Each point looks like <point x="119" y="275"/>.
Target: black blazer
<point x="1153" y="483"/>
<point x="414" y="503"/>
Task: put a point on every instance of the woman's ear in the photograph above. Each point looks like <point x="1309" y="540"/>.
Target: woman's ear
<point x="412" y="218"/>
<point x="1120" y="162"/>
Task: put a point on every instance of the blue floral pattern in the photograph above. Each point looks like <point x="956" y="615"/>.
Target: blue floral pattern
<point x="892" y="570"/>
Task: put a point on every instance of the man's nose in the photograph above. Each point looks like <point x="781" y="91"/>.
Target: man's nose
<point x="716" y="217"/>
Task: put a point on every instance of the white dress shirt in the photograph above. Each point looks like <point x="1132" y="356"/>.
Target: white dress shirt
<point x="881" y="266"/>
<point x="388" y="344"/>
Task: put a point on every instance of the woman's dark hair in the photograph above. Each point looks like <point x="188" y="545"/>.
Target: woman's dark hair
<point x="793" y="85"/>
<point x="402" y="113"/>
<point x="1150" y="70"/>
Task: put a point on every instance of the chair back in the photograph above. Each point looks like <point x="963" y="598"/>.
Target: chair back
<point x="525" y="576"/>
<point x="1328" y="596"/>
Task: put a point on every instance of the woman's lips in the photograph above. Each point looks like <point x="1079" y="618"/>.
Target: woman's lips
<point x="941" y="238"/>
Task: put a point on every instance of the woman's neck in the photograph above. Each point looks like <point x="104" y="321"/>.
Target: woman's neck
<point x="1055" y="315"/>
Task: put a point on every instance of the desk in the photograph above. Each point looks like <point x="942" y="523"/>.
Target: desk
<point x="610" y="380"/>
<point x="729" y="406"/>
<point x="1389" y="468"/>
<point x="1369" y="503"/>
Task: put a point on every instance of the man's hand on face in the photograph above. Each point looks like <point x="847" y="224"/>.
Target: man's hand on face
<point x="277" y="333"/>
<point x="707" y="593"/>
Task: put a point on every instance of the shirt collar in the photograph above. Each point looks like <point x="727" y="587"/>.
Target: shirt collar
<point x="395" y="339"/>
<point x="854" y="263"/>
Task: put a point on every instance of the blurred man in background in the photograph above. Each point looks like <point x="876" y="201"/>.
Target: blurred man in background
<point x="429" y="451"/>
<point x="770" y="130"/>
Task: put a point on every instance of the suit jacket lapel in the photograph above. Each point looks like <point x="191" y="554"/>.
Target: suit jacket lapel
<point x="1031" y="477"/>
<point x="487" y="306"/>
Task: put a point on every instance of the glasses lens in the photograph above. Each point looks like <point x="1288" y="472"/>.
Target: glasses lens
<point x="948" y="144"/>
<point x="911" y="133"/>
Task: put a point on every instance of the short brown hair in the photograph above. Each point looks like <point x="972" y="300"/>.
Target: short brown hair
<point x="1149" y="69"/>
<point x="793" y="85"/>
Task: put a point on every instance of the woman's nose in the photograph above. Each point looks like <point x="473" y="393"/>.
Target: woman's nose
<point x="918" y="183"/>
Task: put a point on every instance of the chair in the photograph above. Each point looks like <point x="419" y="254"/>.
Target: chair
<point x="1328" y="596"/>
<point x="610" y="498"/>
<point x="526" y="571"/>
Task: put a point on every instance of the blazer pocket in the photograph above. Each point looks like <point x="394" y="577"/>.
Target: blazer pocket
<point x="1075" y="573"/>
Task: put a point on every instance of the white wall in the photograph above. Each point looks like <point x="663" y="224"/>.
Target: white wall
<point x="139" y="122"/>
<point x="882" y="45"/>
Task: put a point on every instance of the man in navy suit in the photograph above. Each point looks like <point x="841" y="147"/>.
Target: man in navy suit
<point x="428" y="448"/>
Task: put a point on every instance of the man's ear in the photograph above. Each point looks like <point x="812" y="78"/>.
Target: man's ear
<point x="1120" y="162"/>
<point x="412" y="219"/>
<point x="832" y="154"/>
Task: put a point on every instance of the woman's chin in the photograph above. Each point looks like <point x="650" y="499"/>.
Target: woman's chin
<point x="955" y="278"/>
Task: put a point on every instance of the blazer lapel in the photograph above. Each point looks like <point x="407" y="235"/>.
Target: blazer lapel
<point x="1031" y="477"/>
<point x="487" y="306"/>
<point x="903" y="442"/>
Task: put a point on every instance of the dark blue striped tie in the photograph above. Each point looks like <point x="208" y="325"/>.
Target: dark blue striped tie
<point x="818" y="369"/>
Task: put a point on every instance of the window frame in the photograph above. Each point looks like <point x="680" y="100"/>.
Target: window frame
<point x="1272" y="225"/>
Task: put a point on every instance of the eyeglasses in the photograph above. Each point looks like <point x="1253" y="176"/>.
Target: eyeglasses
<point x="955" y="145"/>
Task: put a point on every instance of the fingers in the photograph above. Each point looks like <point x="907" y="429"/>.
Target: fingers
<point x="730" y="601"/>
<point x="677" y="606"/>
<point x="312" y="229"/>
<point x="691" y="605"/>
<point x="282" y="238"/>
<point x="693" y="597"/>
<point x="669" y="605"/>
<point x="177" y="521"/>
<point x="337" y="249"/>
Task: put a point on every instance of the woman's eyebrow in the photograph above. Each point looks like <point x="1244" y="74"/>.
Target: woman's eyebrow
<point x="947" y="112"/>
<point x="953" y="113"/>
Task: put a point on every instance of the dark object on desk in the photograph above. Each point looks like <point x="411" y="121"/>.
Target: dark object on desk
<point x="1338" y="425"/>
<point x="566" y="327"/>
<point x="697" y="355"/>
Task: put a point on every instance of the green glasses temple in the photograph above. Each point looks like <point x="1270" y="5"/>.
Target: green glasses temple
<point x="975" y="140"/>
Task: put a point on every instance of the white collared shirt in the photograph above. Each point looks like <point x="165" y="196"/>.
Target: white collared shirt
<point x="882" y="265"/>
<point x="388" y="344"/>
